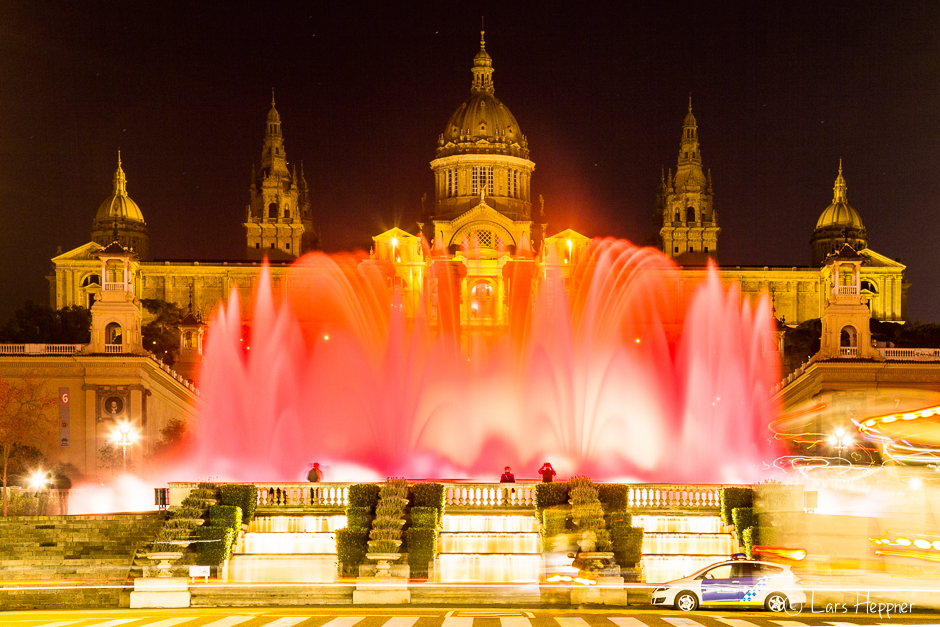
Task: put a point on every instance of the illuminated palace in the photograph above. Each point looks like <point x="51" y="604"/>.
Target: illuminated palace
<point x="481" y="216"/>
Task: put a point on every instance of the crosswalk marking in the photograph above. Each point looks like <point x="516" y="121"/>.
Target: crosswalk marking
<point x="736" y="622"/>
<point x="682" y="622"/>
<point x="288" y="621"/>
<point x="838" y="624"/>
<point x="116" y="622"/>
<point x="788" y="623"/>
<point x="228" y="621"/>
<point x="169" y="622"/>
<point x="572" y="622"/>
<point x="59" y="623"/>
<point x="343" y="621"/>
<point x="458" y="621"/>
<point x="514" y="621"/>
<point x="399" y="621"/>
<point x="626" y="622"/>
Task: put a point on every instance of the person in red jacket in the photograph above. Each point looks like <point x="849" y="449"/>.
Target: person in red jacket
<point x="547" y="472"/>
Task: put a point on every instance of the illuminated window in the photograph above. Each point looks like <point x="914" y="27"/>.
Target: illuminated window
<point x="482" y="303"/>
<point x="485" y="238"/>
<point x="489" y="176"/>
<point x="475" y="181"/>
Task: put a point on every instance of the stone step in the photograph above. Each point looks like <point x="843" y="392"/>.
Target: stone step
<point x="212" y="596"/>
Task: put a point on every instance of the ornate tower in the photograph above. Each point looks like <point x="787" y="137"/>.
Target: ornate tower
<point x="688" y="226"/>
<point x="839" y="224"/>
<point x="846" y="317"/>
<point x="278" y="222"/>
<point x="116" y="316"/>
<point x="120" y="219"/>
<point x="482" y="163"/>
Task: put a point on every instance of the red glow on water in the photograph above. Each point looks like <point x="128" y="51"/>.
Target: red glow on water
<point x="629" y="375"/>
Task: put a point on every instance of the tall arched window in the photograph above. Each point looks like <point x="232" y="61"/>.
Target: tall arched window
<point x="848" y="337"/>
<point x="690" y="214"/>
<point x="272" y="211"/>
<point x="482" y="301"/>
<point x="113" y="335"/>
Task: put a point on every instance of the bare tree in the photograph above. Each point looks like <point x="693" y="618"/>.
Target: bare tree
<point x="25" y="418"/>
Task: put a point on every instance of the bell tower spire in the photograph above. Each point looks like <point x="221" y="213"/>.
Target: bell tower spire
<point x="278" y="224"/>
<point x="688" y="227"/>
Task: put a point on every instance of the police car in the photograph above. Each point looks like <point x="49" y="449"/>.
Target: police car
<point x="737" y="581"/>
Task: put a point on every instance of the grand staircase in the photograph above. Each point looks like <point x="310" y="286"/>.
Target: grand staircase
<point x="84" y="560"/>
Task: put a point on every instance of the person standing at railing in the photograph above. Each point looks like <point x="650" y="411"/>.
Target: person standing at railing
<point x="314" y="476"/>
<point x="507" y="476"/>
<point x="547" y="472"/>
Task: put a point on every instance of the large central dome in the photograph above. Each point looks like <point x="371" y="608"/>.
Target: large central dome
<point x="482" y="124"/>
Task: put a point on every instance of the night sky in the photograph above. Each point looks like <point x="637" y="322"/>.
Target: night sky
<point x="781" y="92"/>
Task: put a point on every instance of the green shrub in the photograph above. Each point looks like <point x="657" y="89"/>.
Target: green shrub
<point x="189" y="512"/>
<point x="243" y="495"/>
<point x="226" y="516"/>
<point x="550" y="494"/>
<point x="732" y="497"/>
<point x="360" y="517"/>
<point x="750" y="538"/>
<point x="364" y="495"/>
<point x="613" y="496"/>
<point x="429" y="495"/>
<point x="627" y="545"/>
<point x="215" y="545"/>
<point x="424" y="517"/>
<point x="554" y="520"/>
<point x="351" y="548"/>
<point x="421" y="544"/>
<point x="195" y="503"/>
<point x="742" y="517"/>
<point x="620" y="519"/>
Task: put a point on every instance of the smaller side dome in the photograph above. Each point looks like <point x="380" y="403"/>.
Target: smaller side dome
<point x="119" y="206"/>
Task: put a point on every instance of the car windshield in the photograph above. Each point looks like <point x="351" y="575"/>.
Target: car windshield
<point x="702" y="570"/>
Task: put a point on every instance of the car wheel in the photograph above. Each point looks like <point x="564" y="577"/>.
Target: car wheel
<point x="686" y="602"/>
<point x="776" y="602"/>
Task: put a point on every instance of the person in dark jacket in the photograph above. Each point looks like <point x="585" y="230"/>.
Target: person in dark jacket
<point x="547" y="472"/>
<point x="507" y="476"/>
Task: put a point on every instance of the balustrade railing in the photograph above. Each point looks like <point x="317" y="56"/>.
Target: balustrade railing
<point x="39" y="349"/>
<point x="303" y="494"/>
<point x="912" y="354"/>
<point x="113" y="348"/>
<point x="677" y="496"/>
<point x="848" y="290"/>
<point x="490" y="494"/>
<point x="848" y="351"/>
<point x="640" y="497"/>
<point x="113" y="287"/>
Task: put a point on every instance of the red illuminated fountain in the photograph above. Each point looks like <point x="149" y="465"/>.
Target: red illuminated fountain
<point x="626" y="376"/>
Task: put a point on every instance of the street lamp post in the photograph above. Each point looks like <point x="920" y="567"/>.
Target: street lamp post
<point x="124" y="437"/>
<point x="840" y="441"/>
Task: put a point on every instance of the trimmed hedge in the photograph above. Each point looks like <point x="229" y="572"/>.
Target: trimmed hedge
<point x="619" y="519"/>
<point x="732" y="497"/>
<point x="351" y="548"/>
<point x="358" y="517"/>
<point x="215" y="545"/>
<point x="421" y="544"/>
<point x="226" y="516"/>
<point x="364" y="495"/>
<point x="750" y="538"/>
<point x="743" y="517"/>
<point x="550" y="494"/>
<point x="613" y="496"/>
<point x="240" y="495"/>
<point x="628" y="545"/>
<point x="429" y="495"/>
<point x="424" y="517"/>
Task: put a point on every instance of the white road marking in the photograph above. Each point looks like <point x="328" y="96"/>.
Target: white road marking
<point x="228" y="621"/>
<point x="343" y="621"/>
<point x="682" y="622"/>
<point x="288" y="621"/>
<point x="572" y="622"/>
<point x="736" y="622"/>
<point x="59" y="623"/>
<point x="626" y="622"/>
<point x="458" y="621"/>
<point x="514" y="621"/>
<point x="788" y="623"/>
<point x="169" y="622"/>
<point x="117" y="621"/>
<point x="400" y="621"/>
